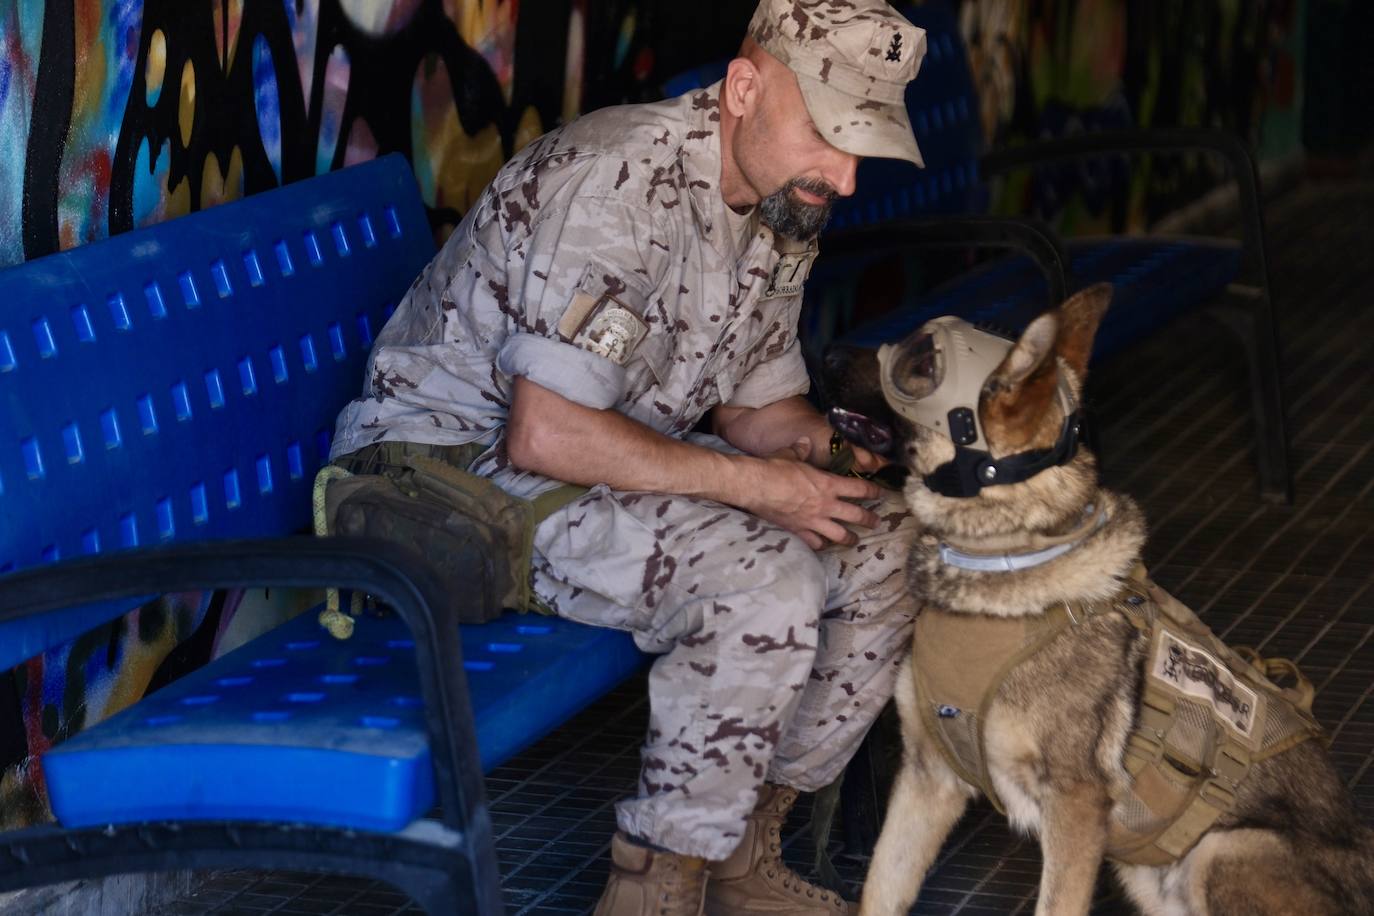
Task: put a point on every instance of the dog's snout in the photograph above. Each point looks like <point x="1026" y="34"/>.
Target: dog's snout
<point x="838" y="357"/>
<point x="862" y="430"/>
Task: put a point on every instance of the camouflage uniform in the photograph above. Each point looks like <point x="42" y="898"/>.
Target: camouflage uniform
<point x="603" y="264"/>
<point x="775" y="658"/>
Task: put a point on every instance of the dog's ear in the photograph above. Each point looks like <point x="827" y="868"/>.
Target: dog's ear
<point x="1079" y="318"/>
<point x="1016" y="401"/>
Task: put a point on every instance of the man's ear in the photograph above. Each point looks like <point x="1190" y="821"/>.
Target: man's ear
<point x="1016" y="405"/>
<point x="740" y="92"/>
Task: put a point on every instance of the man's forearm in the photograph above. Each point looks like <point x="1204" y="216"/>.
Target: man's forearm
<point x="558" y="438"/>
<point x="766" y="430"/>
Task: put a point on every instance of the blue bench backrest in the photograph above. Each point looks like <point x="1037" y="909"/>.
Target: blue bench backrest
<point x="181" y="382"/>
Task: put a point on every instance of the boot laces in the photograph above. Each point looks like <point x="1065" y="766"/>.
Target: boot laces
<point x="791" y="881"/>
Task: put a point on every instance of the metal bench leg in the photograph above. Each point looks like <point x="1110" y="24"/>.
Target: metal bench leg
<point x="442" y="893"/>
<point x="867" y="781"/>
<point x="1249" y="313"/>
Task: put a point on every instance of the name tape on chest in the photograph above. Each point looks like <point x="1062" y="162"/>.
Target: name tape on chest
<point x="1198" y="674"/>
<point x="789" y="275"/>
<point x="603" y="325"/>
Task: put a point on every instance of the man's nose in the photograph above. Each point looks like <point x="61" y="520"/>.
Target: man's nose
<point x="840" y="172"/>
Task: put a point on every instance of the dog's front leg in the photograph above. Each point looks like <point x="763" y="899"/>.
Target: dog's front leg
<point x="1073" y="838"/>
<point x="927" y="800"/>
<point x="924" y="808"/>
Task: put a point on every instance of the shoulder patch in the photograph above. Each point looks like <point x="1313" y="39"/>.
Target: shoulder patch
<point x="605" y="316"/>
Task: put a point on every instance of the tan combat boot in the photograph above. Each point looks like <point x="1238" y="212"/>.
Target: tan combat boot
<point x="648" y="881"/>
<point x="754" y="879"/>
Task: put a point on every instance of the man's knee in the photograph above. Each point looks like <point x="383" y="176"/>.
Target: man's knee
<point x="786" y="594"/>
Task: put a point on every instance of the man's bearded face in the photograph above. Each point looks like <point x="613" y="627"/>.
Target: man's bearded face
<point x="786" y="214"/>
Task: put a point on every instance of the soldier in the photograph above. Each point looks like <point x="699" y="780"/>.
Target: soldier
<point x="622" y="278"/>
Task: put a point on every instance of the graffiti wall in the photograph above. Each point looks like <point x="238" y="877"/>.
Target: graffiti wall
<point x="116" y="114"/>
<point x="1047" y="68"/>
<point x="153" y="108"/>
<point x="148" y="109"/>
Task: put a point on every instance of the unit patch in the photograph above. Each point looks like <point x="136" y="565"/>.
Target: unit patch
<point x="602" y="317"/>
<point x="789" y="275"/>
<point x="894" y="51"/>
<point x="604" y="326"/>
<point x="1198" y="674"/>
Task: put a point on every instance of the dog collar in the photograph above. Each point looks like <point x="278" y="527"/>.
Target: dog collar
<point x="1011" y="562"/>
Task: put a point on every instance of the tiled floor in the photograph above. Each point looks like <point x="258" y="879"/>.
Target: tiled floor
<point x="1295" y="581"/>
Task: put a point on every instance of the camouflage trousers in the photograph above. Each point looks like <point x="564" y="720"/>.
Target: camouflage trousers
<point x="774" y="659"/>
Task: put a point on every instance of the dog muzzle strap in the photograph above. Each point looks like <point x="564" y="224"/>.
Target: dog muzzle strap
<point x="973" y="469"/>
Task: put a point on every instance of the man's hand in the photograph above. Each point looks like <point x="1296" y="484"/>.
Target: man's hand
<point x="787" y="488"/>
<point x="551" y="435"/>
<point x="788" y="427"/>
<point x="811" y="503"/>
<point x="865" y="462"/>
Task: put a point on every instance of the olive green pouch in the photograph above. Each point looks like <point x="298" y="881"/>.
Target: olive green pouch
<point x="423" y="496"/>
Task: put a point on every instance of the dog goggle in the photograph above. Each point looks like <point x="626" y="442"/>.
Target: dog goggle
<point x="935" y="382"/>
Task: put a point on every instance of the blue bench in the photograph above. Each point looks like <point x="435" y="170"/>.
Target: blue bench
<point x="167" y="396"/>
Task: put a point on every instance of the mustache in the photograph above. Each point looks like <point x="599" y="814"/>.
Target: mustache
<point x="813" y="186"/>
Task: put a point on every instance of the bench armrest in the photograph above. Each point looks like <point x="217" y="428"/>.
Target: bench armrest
<point x="388" y="571"/>
<point x="1029" y="236"/>
<point x="1140" y="141"/>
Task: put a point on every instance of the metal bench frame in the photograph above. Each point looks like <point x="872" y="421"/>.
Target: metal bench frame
<point x="447" y="865"/>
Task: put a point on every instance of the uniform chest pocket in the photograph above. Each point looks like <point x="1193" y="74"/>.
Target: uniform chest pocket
<point x="765" y="333"/>
<point x="730" y="365"/>
<point x="655" y="354"/>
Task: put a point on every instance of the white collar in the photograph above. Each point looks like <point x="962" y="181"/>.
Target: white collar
<point x="1008" y="561"/>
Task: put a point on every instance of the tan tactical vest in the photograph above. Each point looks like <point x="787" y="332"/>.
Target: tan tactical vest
<point x="1207" y="712"/>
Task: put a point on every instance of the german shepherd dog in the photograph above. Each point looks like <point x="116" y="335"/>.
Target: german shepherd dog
<point x="1056" y="730"/>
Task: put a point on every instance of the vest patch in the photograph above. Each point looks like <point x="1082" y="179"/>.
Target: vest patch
<point x="1201" y="676"/>
<point x="789" y="275"/>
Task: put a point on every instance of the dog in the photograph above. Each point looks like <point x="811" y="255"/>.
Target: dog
<point x="1026" y="566"/>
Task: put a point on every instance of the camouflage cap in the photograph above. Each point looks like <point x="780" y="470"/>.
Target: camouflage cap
<point x="853" y="59"/>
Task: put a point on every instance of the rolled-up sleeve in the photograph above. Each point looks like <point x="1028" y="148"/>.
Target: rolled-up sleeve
<point x="579" y="278"/>
<point x="567" y="370"/>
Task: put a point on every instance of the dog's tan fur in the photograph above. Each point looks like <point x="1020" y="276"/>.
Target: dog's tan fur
<point x="1057" y="728"/>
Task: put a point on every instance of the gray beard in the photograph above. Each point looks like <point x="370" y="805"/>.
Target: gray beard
<point x="782" y="212"/>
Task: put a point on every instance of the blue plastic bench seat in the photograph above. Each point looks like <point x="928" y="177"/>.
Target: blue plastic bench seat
<point x="297" y="726"/>
<point x="1156" y="280"/>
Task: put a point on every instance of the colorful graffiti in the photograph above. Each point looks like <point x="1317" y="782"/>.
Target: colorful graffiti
<point x="66" y="689"/>
<point x="1045" y="68"/>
